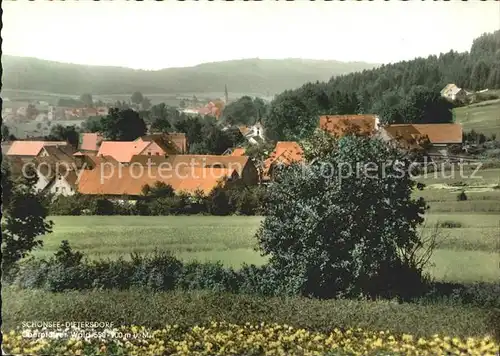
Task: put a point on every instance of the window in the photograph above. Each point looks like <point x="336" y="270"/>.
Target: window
<point x="57" y="189"/>
<point x="157" y="153"/>
<point x="149" y="153"/>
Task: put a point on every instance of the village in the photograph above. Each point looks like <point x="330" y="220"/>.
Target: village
<point x="82" y="173"/>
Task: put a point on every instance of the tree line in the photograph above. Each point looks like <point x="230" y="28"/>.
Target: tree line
<point x="403" y="92"/>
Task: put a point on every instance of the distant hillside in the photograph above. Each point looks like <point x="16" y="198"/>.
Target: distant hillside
<point x="243" y="76"/>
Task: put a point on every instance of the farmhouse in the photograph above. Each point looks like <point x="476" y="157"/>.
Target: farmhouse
<point x="434" y="138"/>
<point x="452" y="92"/>
<point x="285" y="153"/>
<point x="57" y="179"/>
<point x="120" y="182"/>
<point x="32" y="149"/>
<point x="339" y="125"/>
<point x="123" y="151"/>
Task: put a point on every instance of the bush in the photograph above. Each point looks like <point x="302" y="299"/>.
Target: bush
<point x="462" y="196"/>
<point x="102" y="206"/>
<point x="218" y="202"/>
<point x="157" y="271"/>
<point x="330" y="236"/>
<point x="166" y="206"/>
<point x="208" y="276"/>
<point x="88" y="205"/>
<point x="66" y="256"/>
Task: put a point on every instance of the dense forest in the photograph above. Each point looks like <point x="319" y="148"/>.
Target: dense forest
<point x="407" y="91"/>
<point x="264" y="76"/>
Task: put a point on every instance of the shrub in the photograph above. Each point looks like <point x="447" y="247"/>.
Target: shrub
<point x="328" y="236"/>
<point x="102" y="206"/>
<point x="66" y="256"/>
<point x="112" y="274"/>
<point x="66" y="205"/>
<point x="218" y="202"/>
<point x="157" y="271"/>
<point x="462" y="196"/>
<point x="166" y="206"/>
<point x="209" y="276"/>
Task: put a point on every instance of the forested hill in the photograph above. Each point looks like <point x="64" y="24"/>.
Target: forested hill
<point x="407" y="91"/>
<point x="241" y="76"/>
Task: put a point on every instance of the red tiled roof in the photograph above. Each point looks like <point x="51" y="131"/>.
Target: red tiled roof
<point x="441" y="133"/>
<point x="236" y="163"/>
<point x="122" y="151"/>
<point x="31" y="148"/>
<point x="110" y="180"/>
<point x="90" y="141"/>
<point x="339" y="124"/>
<point x="175" y="140"/>
<point x="436" y="133"/>
<point x="285" y="152"/>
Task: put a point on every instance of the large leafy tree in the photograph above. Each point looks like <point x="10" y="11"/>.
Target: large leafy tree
<point x="93" y="124"/>
<point x="245" y="111"/>
<point x="123" y="125"/>
<point x="24" y="218"/>
<point x="289" y="119"/>
<point x="328" y="232"/>
<point x="65" y="133"/>
<point x="161" y="117"/>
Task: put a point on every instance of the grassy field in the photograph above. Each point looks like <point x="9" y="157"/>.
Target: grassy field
<point x="482" y="117"/>
<point x="466" y="253"/>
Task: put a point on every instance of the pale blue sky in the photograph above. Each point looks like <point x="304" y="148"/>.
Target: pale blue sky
<point x="154" y="35"/>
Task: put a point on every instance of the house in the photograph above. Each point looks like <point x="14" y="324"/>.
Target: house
<point x="173" y="143"/>
<point x="58" y="153"/>
<point x="339" y="125"/>
<point x="254" y="134"/>
<point x="123" y="151"/>
<point x="90" y="142"/>
<point x="32" y="149"/>
<point x="63" y="184"/>
<point x="125" y="184"/>
<point x="243" y="165"/>
<point x="452" y="92"/>
<point x="434" y="138"/>
<point x="54" y="177"/>
<point x="285" y="153"/>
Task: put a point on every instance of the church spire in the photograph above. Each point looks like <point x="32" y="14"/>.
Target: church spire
<point x="226" y="95"/>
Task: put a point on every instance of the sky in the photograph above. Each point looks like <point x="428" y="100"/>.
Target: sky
<point x="155" y="35"/>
